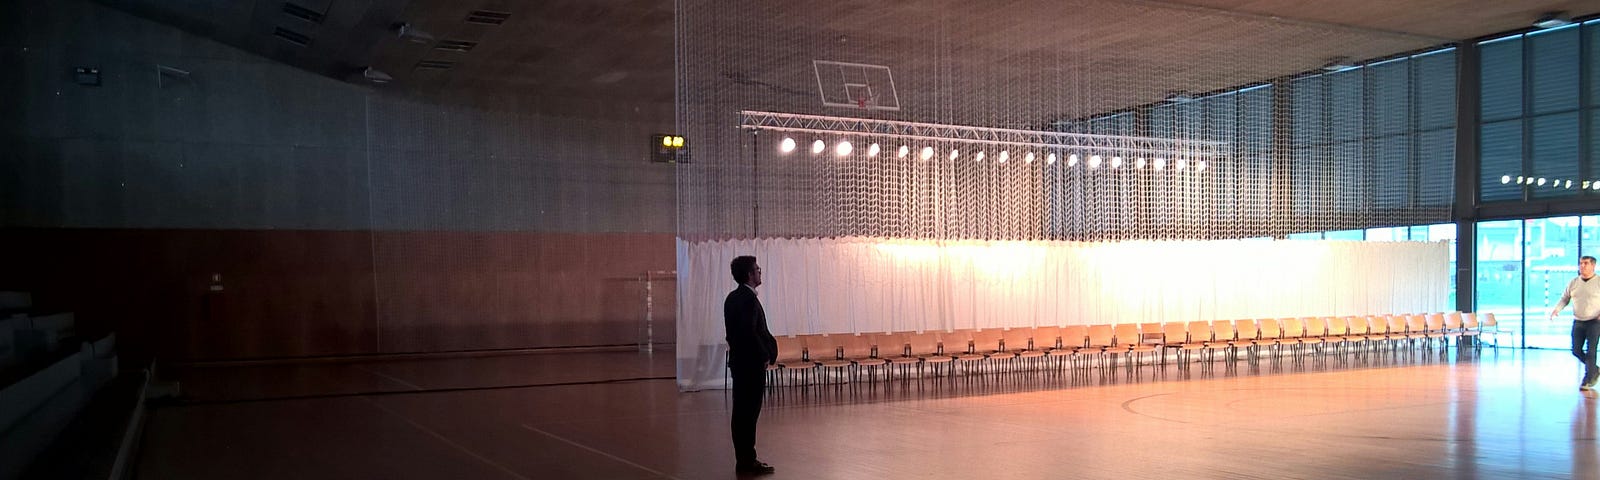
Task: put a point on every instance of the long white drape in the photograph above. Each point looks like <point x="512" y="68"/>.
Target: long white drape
<point x="870" y="285"/>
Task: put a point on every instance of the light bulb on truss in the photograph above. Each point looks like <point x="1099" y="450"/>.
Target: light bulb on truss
<point x="904" y="150"/>
<point x="1005" y="155"/>
<point x="843" y="149"/>
<point x="817" y="147"/>
<point x="872" y="150"/>
<point x="787" y="145"/>
<point x="1072" y="160"/>
<point x="1029" y="158"/>
<point x="927" y="153"/>
<point x="1094" y="161"/>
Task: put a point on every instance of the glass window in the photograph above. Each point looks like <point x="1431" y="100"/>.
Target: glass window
<point x="1551" y="260"/>
<point x="1444" y="232"/>
<point x="1499" y="270"/>
<point x="1345" y="235"/>
<point x="1533" y="114"/>
<point x="1589" y="235"/>
<point x="1387" y="234"/>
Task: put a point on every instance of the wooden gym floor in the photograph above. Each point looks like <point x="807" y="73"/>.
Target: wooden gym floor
<point x="1499" y="413"/>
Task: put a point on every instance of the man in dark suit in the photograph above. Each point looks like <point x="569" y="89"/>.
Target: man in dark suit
<point x="750" y="349"/>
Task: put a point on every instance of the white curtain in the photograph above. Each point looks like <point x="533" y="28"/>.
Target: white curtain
<point x="858" y="285"/>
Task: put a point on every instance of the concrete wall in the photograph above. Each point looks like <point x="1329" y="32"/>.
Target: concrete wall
<point x="342" y="218"/>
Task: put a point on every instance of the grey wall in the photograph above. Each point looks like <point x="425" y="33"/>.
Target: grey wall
<point x="249" y="143"/>
<point x="342" y="218"/>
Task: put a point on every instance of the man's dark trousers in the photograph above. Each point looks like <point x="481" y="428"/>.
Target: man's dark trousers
<point x="1586" y="333"/>
<point x="749" y="386"/>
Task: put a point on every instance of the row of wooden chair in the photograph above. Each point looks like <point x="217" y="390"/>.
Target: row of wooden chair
<point x="845" y="357"/>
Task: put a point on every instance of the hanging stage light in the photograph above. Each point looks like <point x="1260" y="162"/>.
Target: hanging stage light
<point x="1094" y="161"/>
<point x="1116" y="162"/>
<point x="817" y="147"/>
<point x="904" y="150"/>
<point x="954" y="153"/>
<point x="1541" y="181"/>
<point x="1072" y="160"/>
<point x="872" y="150"/>
<point x="787" y="145"/>
<point x="927" y="153"/>
<point x="1005" y="155"/>
<point x="843" y="149"/>
<point x="1139" y="163"/>
<point x="1200" y="166"/>
<point x="1161" y="163"/>
<point x="1029" y="158"/>
<point x="1504" y="179"/>
<point x="1182" y="162"/>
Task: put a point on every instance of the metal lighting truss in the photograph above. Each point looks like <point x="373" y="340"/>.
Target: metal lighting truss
<point x="913" y="131"/>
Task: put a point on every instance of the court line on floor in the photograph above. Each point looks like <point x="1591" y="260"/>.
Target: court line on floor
<point x="390" y="378"/>
<point x="447" y="440"/>
<point x="597" y="451"/>
<point x="324" y="396"/>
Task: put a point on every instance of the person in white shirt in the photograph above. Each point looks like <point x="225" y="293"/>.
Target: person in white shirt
<point x="1584" y="293"/>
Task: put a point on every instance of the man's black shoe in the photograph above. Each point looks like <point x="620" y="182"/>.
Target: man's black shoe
<point x="754" y="468"/>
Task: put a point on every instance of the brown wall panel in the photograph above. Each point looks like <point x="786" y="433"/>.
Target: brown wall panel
<point x="291" y="293"/>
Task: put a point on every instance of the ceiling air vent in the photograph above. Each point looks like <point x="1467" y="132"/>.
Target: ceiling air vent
<point x="302" y="13"/>
<point x="486" y="17"/>
<point x="435" y="65"/>
<point x="291" y="36"/>
<point x="455" y="45"/>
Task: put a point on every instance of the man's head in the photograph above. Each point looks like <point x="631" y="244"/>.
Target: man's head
<point x="1586" y="266"/>
<point x="746" y="272"/>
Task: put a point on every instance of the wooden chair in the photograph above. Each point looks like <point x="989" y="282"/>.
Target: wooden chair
<point x="1073" y="338"/>
<point x="1338" y="328"/>
<point x="862" y="351"/>
<point x="1271" y="335"/>
<point x="1100" y="342"/>
<point x="1469" y="329"/>
<point x="1291" y="332"/>
<point x="925" y="347"/>
<point x="1490" y="327"/>
<point x="895" y="347"/>
<point x="1028" y="346"/>
<point x="959" y="344"/>
<point x="1223" y="337"/>
<point x="1248" y="334"/>
<point x="793" y="360"/>
<point x="1130" y="343"/>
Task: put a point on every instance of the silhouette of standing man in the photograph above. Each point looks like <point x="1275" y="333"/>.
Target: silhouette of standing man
<point x="750" y="349"/>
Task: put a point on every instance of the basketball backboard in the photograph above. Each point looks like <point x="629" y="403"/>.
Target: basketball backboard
<point x="856" y="85"/>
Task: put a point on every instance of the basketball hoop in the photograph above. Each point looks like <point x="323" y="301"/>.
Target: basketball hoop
<point x="856" y="85"/>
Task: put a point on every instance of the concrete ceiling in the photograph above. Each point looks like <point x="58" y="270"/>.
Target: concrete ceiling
<point x="624" y="49"/>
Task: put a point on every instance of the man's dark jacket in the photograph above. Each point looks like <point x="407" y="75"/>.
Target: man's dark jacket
<point x="750" y="344"/>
